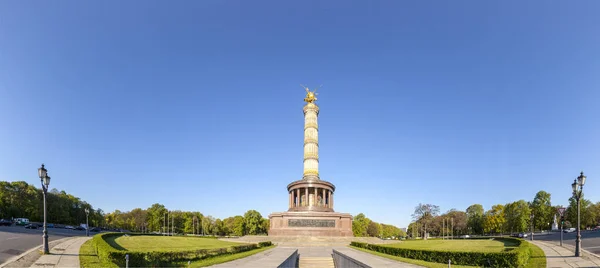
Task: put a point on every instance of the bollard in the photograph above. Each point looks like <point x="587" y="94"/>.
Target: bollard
<point x="126" y="260"/>
<point x="189" y="263"/>
<point x="449" y="263"/>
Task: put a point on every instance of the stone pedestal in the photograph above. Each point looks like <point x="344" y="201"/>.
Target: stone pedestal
<point x="310" y="224"/>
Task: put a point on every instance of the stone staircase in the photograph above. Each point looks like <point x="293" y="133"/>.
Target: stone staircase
<point x="316" y="262"/>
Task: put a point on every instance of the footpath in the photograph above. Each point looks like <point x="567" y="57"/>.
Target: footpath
<point x="63" y="254"/>
<point x="560" y="257"/>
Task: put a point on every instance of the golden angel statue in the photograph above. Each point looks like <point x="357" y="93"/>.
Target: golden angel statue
<point x="310" y="95"/>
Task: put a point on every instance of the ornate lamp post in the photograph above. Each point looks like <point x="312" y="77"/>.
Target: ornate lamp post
<point x="577" y="192"/>
<point x="87" y="225"/>
<point x="45" y="179"/>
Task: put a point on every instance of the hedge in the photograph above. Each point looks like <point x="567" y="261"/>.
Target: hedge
<point x="517" y="257"/>
<point x="109" y="253"/>
<point x="264" y="244"/>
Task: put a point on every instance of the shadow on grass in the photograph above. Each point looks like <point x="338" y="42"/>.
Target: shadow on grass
<point x="509" y="244"/>
<point x="111" y="241"/>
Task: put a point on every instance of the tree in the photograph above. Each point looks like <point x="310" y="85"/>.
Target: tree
<point x="587" y="213"/>
<point x="424" y="213"/>
<point x="359" y="225"/>
<point x="266" y="223"/>
<point x="208" y="223"/>
<point x="156" y="215"/>
<point x="543" y="211"/>
<point x="239" y="226"/>
<point x="517" y="215"/>
<point x="253" y="222"/>
<point x="475" y="218"/>
<point x="595" y="208"/>
<point x="219" y="228"/>
<point x="460" y="221"/>
<point x="373" y="229"/>
<point x="493" y="220"/>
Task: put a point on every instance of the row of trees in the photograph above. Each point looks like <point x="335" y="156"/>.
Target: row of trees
<point x="363" y="226"/>
<point x="157" y="218"/>
<point x="518" y="216"/>
<point x="21" y="200"/>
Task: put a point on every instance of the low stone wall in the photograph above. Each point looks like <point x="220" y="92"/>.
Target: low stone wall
<point x="291" y="261"/>
<point x="342" y="260"/>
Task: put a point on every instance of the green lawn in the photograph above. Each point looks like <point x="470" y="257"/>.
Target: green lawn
<point x="168" y="243"/>
<point x="456" y="245"/>
<point x="413" y="261"/>
<point x="88" y="257"/>
<point x="537" y="257"/>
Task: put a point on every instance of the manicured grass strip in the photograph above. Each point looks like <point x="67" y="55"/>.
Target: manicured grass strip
<point x="88" y="258"/>
<point x="412" y="261"/>
<point x="457" y="245"/>
<point x="168" y="243"/>
<point x="228" y="257"/>
<point x="537" y="257"/>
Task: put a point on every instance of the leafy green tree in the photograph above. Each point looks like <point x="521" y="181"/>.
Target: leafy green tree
<point x="587" y="213"/>
<point x="493" y="220"/>
<point x="373" y="229"/>
<point x="359" y="225"/>
<point x="253" y="222"/>
<point x="266" y="223"/>
<point x="517" y="215"/>
<point x="475" y="218"/>
<point x="239" y="226"/>
<point x="543" y="211"/>
<point x="208" y="223"/>
<point x="219" y="228"/>
<point x="156" y="217"/>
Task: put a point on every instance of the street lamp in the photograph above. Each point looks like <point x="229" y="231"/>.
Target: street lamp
<point x="577" y="192"/>
<point x="531" y="217"/>
<point x="45" y="179"/>
<point x="87" y="225"/>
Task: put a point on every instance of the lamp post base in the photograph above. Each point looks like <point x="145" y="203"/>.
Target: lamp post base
<point x="578" y="246"/>
<point x="45" y="242"/>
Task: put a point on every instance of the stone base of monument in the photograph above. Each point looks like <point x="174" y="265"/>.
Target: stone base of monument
<point x="310" y="224"/>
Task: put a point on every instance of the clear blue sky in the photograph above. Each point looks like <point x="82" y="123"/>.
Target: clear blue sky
<point x="197" y="104"/>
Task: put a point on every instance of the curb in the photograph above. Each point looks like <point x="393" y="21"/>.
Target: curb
<point x="16" y="258"/>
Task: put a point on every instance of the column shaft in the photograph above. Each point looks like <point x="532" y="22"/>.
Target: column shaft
<point x="306" y="197"/>
<point x="329" y="198"/>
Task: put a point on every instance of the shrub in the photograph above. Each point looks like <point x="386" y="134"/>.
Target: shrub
<point x="512" y="258"/>
<point x="264" y="244"/>
<point x="112" y="253"/>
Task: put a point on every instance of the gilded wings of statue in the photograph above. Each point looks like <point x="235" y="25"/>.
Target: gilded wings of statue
<point x="311" y="96"/>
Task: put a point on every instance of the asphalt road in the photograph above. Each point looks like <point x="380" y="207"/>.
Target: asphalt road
<point x="15" y="240"/>
<point x="590" y="240"/>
